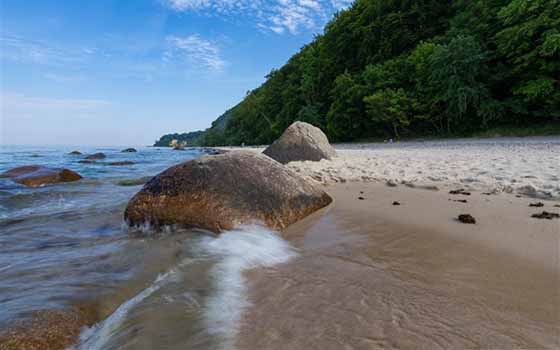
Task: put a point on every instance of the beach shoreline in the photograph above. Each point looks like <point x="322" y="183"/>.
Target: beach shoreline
<point x="374" y="275"/>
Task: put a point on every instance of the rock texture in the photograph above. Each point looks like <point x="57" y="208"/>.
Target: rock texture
<point x="223" y="191"/>
<point x="96" y="156"/>
<point x="37" y="175"/>
<point x="301" y="141"/>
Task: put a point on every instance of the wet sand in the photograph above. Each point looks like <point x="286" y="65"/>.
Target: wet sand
<point x="371" y="275"/>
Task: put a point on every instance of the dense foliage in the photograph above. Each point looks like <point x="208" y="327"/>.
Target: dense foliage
<point x="393" y="68"/>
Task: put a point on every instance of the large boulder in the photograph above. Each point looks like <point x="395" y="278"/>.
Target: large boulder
<point x="37" y="175"/>
<point x="223" y="191"/>
<point x="301" y="141"/>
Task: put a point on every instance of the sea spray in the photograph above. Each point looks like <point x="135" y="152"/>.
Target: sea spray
<point x="239" y="250"/>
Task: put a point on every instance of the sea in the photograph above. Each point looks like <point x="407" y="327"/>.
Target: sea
<point x="68" y="243"/>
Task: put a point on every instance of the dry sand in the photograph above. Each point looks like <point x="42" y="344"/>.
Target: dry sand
<point x="527" y="166"/>
<point x="372" y="275"/>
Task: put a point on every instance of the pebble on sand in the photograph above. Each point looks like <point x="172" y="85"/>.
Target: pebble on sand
<point x="546" y="215"/>
<point x="466" y="219"/>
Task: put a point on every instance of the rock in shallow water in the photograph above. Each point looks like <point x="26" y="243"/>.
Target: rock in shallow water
<point x="129" y="150"/>
<point x="98" y="155"/>
<point x="37" y="175"/>
<point x="301" y="141"/>
<point x="224" y="191"/>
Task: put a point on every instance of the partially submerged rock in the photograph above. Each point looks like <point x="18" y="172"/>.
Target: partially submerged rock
<point x="75" y="153"/>
<point x="37" y="175"/>
<point x="224" y="191"/>
<point x="121" y="163"/>
<point x="48" y="329"/>
<point x="301" y="141"/>
<point x="129" y="150"/>
<point x="98" y="155"/>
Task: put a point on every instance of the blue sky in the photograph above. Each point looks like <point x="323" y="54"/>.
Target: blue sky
<point x="124" y="72"/>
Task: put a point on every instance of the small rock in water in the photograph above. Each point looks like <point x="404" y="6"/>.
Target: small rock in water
<point x="361" y="198"/>
<point x="396" y="203"/>
<point x="466" y="219"/>
<point x="129" y="150"/>
<point x="546" y="215"/>
<point x="126" y="162"/>
<point x="98" y="155"/>
<point x="460" y="191"/>
<point x="87" y="161"/>
<point x="75" y="153"/>
<point x="557" y="205"/>
<point x="487" y="193"/>
<point x="538" y="204"/>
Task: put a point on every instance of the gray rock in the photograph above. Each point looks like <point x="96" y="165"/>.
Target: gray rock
<point x="220" y="192"/>
<point x="301" y="141"/>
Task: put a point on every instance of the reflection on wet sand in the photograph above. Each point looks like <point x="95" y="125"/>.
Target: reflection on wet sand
<point x="363" y="282"/>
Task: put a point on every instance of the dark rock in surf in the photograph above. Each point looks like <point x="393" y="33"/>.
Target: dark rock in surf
<point x="224" y="191"/>
<point x="129" y="150"/>
<point x="301" y="141"/>
<point x="125" y="162"/>
<point x="98" y="155"/>
<point x="75" y="153"/>
<point x="536" y="205"/>
<point x="37" y="175"/>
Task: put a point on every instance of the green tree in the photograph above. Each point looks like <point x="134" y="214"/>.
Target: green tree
<point x="390" y="106"/>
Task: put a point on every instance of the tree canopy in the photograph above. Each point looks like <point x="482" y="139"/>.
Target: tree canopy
<point x="395" y="68"/>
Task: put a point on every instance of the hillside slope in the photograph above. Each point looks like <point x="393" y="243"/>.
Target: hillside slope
<point x="405" y="68"/>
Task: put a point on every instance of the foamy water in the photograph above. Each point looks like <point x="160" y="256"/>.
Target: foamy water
<point x="230" y="254"/>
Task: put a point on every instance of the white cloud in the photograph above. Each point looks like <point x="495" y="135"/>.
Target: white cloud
<point x="18" y="49"/>
<point x="194" y="50"/>
<point x="277" y="16"/>
<point x="16" y="104"/>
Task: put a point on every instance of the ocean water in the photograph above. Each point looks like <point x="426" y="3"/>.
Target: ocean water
<point x="67" y="244"/>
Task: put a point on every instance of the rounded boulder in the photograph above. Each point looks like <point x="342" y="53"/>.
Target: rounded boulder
<point x="224" y="191"/>
<point x="37" y="175"/>
<point x="300" y="141"/>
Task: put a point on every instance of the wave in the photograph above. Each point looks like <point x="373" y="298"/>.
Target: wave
<point x="232" y="253"/>
<point x="240" y="250"/>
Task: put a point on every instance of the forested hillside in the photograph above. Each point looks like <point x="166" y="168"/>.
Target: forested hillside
<point x="405" y="68"/>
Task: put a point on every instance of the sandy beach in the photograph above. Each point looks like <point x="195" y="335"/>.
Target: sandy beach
<point x="374" y="275"/>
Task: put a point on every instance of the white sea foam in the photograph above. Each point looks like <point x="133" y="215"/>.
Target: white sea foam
<point x="239" y="250"/>
<point x="234" y="251"/>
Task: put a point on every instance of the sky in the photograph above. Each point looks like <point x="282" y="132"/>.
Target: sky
<point x="125" y="72"/>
